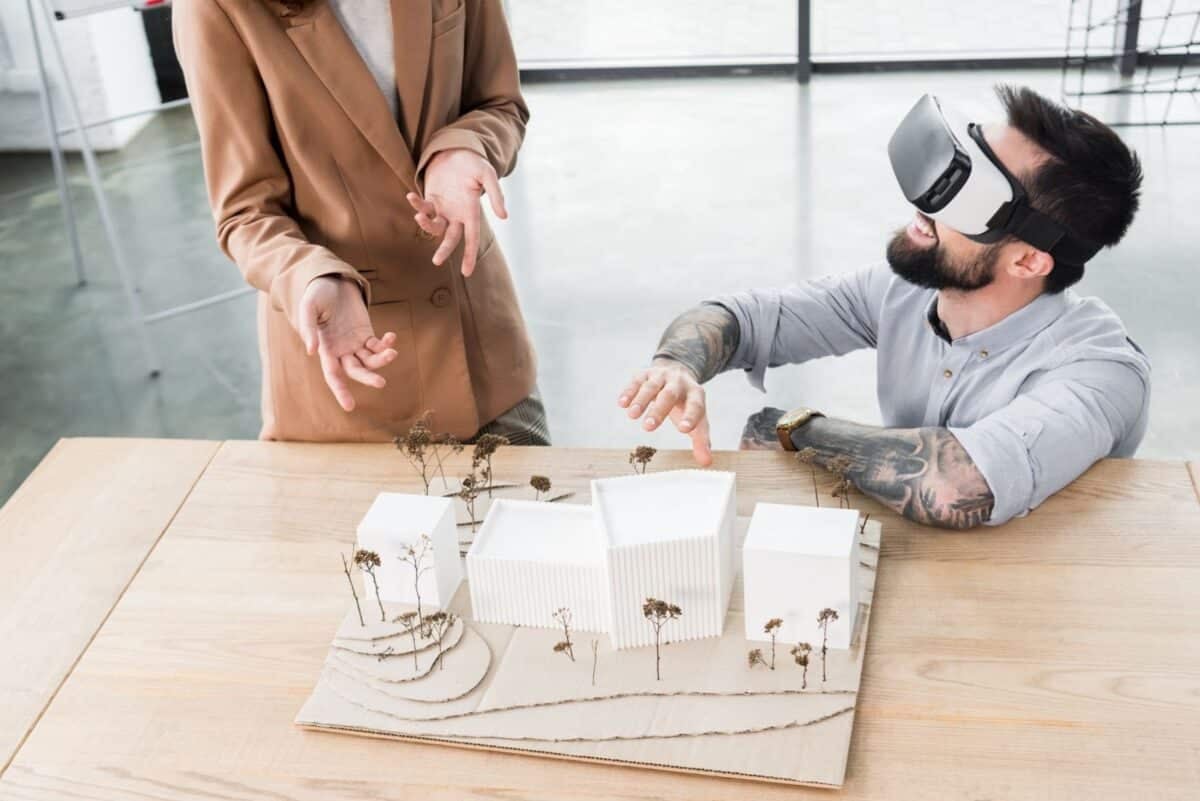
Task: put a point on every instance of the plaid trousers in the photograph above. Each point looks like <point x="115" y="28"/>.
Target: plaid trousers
<point x="523" y="424"/>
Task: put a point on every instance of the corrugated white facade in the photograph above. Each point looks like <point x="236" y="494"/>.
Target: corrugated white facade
<point x="531" y="558"/>
<point x="668" y="536"/>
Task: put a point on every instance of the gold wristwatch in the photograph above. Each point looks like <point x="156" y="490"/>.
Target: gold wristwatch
<point x="790" y="422"/>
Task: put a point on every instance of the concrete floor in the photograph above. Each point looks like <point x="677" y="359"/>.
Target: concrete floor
<point x="633" y="200"/>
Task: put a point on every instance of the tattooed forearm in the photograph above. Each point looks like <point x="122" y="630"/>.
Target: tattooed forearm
<point x="702" y="339"/>
<point x="922" y="473"/>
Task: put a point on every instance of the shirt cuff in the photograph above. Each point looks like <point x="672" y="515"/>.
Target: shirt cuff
<point x="757" y="316"/>
<point x="1001" y="455"/>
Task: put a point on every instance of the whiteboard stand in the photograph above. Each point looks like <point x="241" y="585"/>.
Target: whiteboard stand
<point x="52" y="11"/>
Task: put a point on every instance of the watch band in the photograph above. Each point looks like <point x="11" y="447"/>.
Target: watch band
<point x="790" y="422"/>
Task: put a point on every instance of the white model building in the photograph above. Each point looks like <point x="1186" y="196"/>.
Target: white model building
<point x="396" y="521"/>
<point x="666" y="535"/>
<point x="533" y="557"/>
<point x="796" y="561"/>
<point x="670" y="536"/>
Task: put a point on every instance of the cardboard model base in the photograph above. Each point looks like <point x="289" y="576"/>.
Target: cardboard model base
<point x="504" y="688"/>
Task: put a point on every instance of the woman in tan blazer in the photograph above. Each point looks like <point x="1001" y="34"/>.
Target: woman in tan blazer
<point x="356" y="211"/>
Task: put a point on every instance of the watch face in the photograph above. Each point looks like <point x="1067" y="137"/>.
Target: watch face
<point x="791" y="418"/>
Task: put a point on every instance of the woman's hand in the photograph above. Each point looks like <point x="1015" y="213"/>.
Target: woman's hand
<point x="454" y="181"/>
<point x="334" y="325"/>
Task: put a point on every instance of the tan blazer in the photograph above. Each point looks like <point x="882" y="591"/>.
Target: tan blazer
<point x="307" y="171"/>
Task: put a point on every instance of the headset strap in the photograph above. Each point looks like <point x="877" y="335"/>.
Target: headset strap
<point x="1018" y="218"/>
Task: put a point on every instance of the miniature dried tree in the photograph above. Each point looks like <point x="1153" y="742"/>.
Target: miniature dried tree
<point x="565" y="646"/>
<point x="659" y="613"/>
<point x="469" y="493"/>
<point x="486" y="447"/>
<point x="640" y="457"/>
<point x="862" y="527"/>
<point x="367" y="561"/>
<point x="540" y="484"/>
<point x="447" y="442"/>
<point x="595" y="658"/>
<point x="417" y="445"/>
<point x="415" y="555"/>
<point x="439" y="623"/>
<point x="353" y="591"/>
<point x="808" y="456"/>
<point x="800" y="653"/>
<point x="824" y="618"/>
<point x="771" y="629"/>
<point x="840" y="466"/>
<point x="411" y="622"/>
<point x="755" y="657"/>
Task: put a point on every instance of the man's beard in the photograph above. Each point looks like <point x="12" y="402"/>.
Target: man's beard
<point x="929" y="266"/>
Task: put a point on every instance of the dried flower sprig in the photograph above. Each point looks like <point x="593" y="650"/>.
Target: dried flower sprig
<point x="415" y="555"/>
<point x="540" y="484"/>
<point x="659" y="613"/>
<point x="640" y="457"/>
<point x="563" y="616"/>
<point x="439" y="623"/>
<point x="416" y="444"/>
<point x="800" y="653"/>
<point x="755" y="657"/>
<point x="411" y="622"/>
<point x="367" y="561"/>
<point x="840" y="465"/>
<point x="350" y="578"/>
<point x="771" y="629"/>
<point x="486" y="447"/>
<point x="824" y="618"/>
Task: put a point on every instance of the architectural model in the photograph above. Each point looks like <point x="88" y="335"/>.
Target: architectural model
<point x="664" y="535"/>
<point x="516" y="658"/>
<point x="796" y="562"/>
<point x="531" y="558"/>
<point x="416" y="539"/>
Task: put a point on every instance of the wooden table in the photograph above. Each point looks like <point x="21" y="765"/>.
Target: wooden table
<point x="165" y="607"/>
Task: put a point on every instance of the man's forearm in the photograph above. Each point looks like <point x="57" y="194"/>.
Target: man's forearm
<point x="703" y="339"/>
<point x="922" y="473"/>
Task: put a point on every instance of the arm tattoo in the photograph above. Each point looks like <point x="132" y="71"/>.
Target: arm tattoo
<point x="922" y="473"/>
<point x="703" y="339"/>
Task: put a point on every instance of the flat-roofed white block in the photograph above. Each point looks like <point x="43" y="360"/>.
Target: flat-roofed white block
<point x="796" y="561"/>
<point x="395" y="521"/>
<point x="531" y="558"/>
<point x="670" y="536"/>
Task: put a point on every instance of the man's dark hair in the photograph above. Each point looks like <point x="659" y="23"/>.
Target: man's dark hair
<point x="1091" y="180"/>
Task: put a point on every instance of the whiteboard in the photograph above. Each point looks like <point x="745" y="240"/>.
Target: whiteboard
<point x="79" y="8"/>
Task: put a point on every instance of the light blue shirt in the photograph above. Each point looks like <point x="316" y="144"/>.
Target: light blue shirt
<point x="1035" y="399"/>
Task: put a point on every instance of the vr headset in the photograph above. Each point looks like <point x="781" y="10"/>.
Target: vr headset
<point x="947" y="170"/>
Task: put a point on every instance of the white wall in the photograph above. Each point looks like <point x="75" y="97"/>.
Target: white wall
<point x="108" y="58"/>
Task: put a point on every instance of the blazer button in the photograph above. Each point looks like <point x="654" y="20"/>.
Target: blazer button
<point x="441" y="297"/>
<point x="423" y="234"/>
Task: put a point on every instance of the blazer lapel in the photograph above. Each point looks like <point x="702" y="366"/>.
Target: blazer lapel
<point x="412" y="31"/>
<point x="328" y="50"/>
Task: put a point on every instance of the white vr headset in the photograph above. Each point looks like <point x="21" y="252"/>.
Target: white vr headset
<point x="946" y="169"/>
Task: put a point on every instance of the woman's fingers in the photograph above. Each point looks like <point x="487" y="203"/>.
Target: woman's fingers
<point x="336" y="379"/>
<point x="376" y="361"/>
<point x="471" y="248"/>
<point x="449" y="243"/>
<point x="421" y="205"/>
<point x="491" y="185"/>
<point x="355" y="369"/>
<point x="430" y="225"/>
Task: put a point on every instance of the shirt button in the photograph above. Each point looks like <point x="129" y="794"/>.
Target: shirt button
<point x="983" y="354"/>
<point x="440" y="297"/>
<point x="948" y="373"/>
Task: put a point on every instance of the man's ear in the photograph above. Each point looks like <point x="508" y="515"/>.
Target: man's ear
<point x="1031" y="263"/>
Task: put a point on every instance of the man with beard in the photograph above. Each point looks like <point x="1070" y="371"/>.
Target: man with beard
<point x="997" y="384"/>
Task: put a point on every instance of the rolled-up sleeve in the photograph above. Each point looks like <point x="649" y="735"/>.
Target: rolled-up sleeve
<point x="824" y="317"/>
<point x="1047" y="437"/>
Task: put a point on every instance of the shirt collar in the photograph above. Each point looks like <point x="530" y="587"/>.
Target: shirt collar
<point x="1021" y="325"/>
